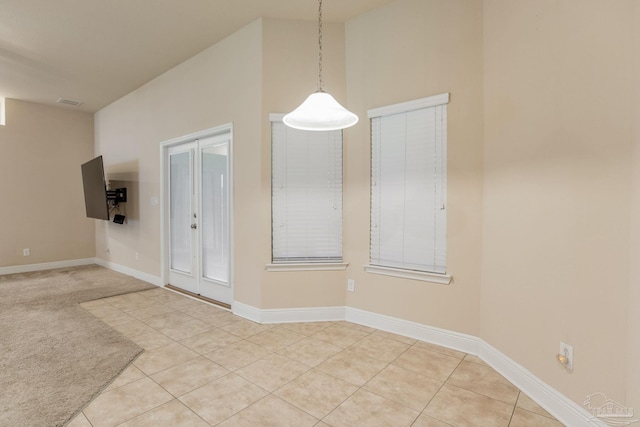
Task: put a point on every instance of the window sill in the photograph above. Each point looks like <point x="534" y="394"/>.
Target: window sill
<point x="424" y="276"/>
<point x="308" y="266"/>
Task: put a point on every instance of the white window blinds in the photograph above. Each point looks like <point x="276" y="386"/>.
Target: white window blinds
<point x="180" y="209"/>
<point x="306" y="194"/>
<point x="408" y="185"/>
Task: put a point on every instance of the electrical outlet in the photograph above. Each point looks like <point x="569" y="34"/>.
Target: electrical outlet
<point x="351" y="285"/>
<point x="137" y="256"/>
<point x="567" y="351"/>
<point x="26" y="252"/>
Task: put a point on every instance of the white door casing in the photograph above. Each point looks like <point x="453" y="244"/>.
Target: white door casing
<point x="197" y="213"/>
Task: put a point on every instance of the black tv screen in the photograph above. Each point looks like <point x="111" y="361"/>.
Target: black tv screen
<point x="95" y="189"/>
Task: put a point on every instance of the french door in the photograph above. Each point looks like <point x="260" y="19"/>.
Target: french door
<point x="199" y="216"/>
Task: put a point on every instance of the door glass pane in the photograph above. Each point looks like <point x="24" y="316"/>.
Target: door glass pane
<point x="180" y="215"/>
<point x="215" y="212"/>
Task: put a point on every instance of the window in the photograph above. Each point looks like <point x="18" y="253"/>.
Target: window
<point x="306" y="195"/>
<point x="408" y="188"/>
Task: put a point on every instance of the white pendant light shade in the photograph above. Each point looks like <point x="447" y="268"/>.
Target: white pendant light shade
<point x="320" y="111"/>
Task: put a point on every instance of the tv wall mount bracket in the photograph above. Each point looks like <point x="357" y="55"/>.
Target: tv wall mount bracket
<point x="119" y="195"/>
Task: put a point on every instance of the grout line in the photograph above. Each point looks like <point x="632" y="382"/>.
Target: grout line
<point x="439" y="389"/>
<point x="282" y="352"/>
<point x="362" y="387"/>
<point x="513" y="410"/>
<point x="192" y="411"/>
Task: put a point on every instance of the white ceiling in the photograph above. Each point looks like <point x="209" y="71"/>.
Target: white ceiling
<point x="96" y="51"/>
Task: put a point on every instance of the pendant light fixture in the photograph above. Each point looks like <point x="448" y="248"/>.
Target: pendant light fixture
<point x="320" y="111"/>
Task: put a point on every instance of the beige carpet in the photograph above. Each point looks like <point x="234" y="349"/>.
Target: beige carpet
<point x="55" y="356"/>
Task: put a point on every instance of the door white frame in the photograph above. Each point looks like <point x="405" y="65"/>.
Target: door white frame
<point x="226" y="129"/>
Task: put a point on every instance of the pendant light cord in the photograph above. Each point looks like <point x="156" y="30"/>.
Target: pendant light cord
<point x="320" y="82"/>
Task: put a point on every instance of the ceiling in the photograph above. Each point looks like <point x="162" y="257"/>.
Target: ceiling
<point x="96" y="51"/>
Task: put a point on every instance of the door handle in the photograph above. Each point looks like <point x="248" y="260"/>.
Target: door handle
<point x="194" y="226"/>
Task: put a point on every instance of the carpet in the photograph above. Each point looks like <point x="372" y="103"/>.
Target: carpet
<point x="55" y="357"/>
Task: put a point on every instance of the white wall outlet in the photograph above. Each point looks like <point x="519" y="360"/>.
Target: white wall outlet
<point x="154" y="200"/>
<point x="26" y="252"/>
<point x="351" y="285"/>
<point x="137" y="256"/>
<point x="567" y="351"/>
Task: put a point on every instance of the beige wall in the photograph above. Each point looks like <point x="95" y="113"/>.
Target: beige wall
<point x="543" y="186"/>
<point x="218" y="86"/>
<point x="633" y="359"/>
<point x="406" y="50"/>
<point x="225" y="83"/>
<point x="558" y="131"/>
<point x="540" y="173"/>
<point x="41" y="150"/>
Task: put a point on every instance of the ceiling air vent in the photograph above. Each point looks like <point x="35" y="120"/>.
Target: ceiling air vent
<point x="68" y="102"/>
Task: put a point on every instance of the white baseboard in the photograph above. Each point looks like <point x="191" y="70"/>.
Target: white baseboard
<point x="561" y="407"/>
<point x="288" y="315"/>
<point x="247" y="311"/>
<point x="46" y="266"/>
<point x="558" y="405"/>
<point x="145" y="277"/>
<point x="442" y="337"/>
<point x="149" y="278"/>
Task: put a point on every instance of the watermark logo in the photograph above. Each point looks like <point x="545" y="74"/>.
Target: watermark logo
<point x="609" y="411"/>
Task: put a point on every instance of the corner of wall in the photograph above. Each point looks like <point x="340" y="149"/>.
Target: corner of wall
<point x="633" y="354"/>
<point x="42" y="149"/>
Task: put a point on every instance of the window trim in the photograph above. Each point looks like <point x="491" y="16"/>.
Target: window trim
<point x="309" y="265"/>
<point x="425" y="276"/>
<point x="400" y="108"/>
<point x="404" y="107"/>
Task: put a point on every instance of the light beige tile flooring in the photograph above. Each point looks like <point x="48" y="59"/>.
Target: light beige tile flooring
<point x="203" y="366"/>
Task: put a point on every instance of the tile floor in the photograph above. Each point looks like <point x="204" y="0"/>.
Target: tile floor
<point x="203" y="366"/>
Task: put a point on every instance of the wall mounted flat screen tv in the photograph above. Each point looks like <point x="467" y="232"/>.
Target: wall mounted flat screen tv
<point x="95" y="189"/>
